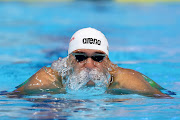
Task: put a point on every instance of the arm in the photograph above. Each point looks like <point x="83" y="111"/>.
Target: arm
<point x="45" y="80"/>
<point x="131" y="81"/>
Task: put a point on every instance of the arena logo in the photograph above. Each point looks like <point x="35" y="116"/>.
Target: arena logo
<point x="91" y="41"/>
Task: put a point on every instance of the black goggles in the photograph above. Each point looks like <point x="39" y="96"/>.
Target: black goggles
<point x="83" y="56"/>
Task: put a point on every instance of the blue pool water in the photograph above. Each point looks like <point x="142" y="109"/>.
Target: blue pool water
<point x="143" y="37"/>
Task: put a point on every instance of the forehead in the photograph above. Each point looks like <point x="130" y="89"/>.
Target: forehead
<point x="88" y="51"/>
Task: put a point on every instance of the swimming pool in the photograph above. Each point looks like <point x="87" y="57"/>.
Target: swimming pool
<point x="142" y="36"/>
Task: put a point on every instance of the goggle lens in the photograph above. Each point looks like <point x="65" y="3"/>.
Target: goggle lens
<point x="82" y="56"/>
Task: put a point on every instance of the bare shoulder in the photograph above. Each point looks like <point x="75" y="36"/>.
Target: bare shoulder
<point x="45" y="78"/>
<point x="133" y="81"/>
<point x="124" y="72"/>
<point x="128" y="78"/>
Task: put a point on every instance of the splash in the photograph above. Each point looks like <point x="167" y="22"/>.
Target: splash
<point x="75" y="82"/>
<point x="62" y="66"/>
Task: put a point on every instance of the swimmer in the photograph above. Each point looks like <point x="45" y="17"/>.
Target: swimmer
<point x="88" y="68"/>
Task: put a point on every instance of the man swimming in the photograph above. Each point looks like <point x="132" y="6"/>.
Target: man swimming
<point x="88" y="68"/>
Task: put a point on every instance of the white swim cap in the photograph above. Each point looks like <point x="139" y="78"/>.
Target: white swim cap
<point x="88" y="38"/>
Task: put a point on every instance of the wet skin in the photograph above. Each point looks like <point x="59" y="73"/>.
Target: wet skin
<point x="122" y="80"/>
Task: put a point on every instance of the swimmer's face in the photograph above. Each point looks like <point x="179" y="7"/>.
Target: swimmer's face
<point x="89" y="63"/>
<point x="88" y="69"/>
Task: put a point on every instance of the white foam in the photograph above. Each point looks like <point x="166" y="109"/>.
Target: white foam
<point x="61" y="66"/>
<point x="76" y="81"/>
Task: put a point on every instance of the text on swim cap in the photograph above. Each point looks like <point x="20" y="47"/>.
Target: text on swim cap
<point x="91" y="41"/>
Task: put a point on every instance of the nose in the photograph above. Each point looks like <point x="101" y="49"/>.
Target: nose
<point x="89" y="63"/>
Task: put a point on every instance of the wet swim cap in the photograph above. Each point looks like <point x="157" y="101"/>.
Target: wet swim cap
<point x="88" y="38"/>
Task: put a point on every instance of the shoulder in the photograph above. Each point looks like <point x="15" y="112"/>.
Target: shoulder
<point x="135" y="82"/>
<point x="129" y="79"/>
<point x="127" y="73"/>
<point x="45" y="78"/>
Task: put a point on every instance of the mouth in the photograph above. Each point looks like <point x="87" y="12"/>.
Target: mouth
<point x="90" y="84"/>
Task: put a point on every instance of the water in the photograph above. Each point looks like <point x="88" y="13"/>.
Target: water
<point x="143" y="37"/>
<point x="75" y="82"/>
